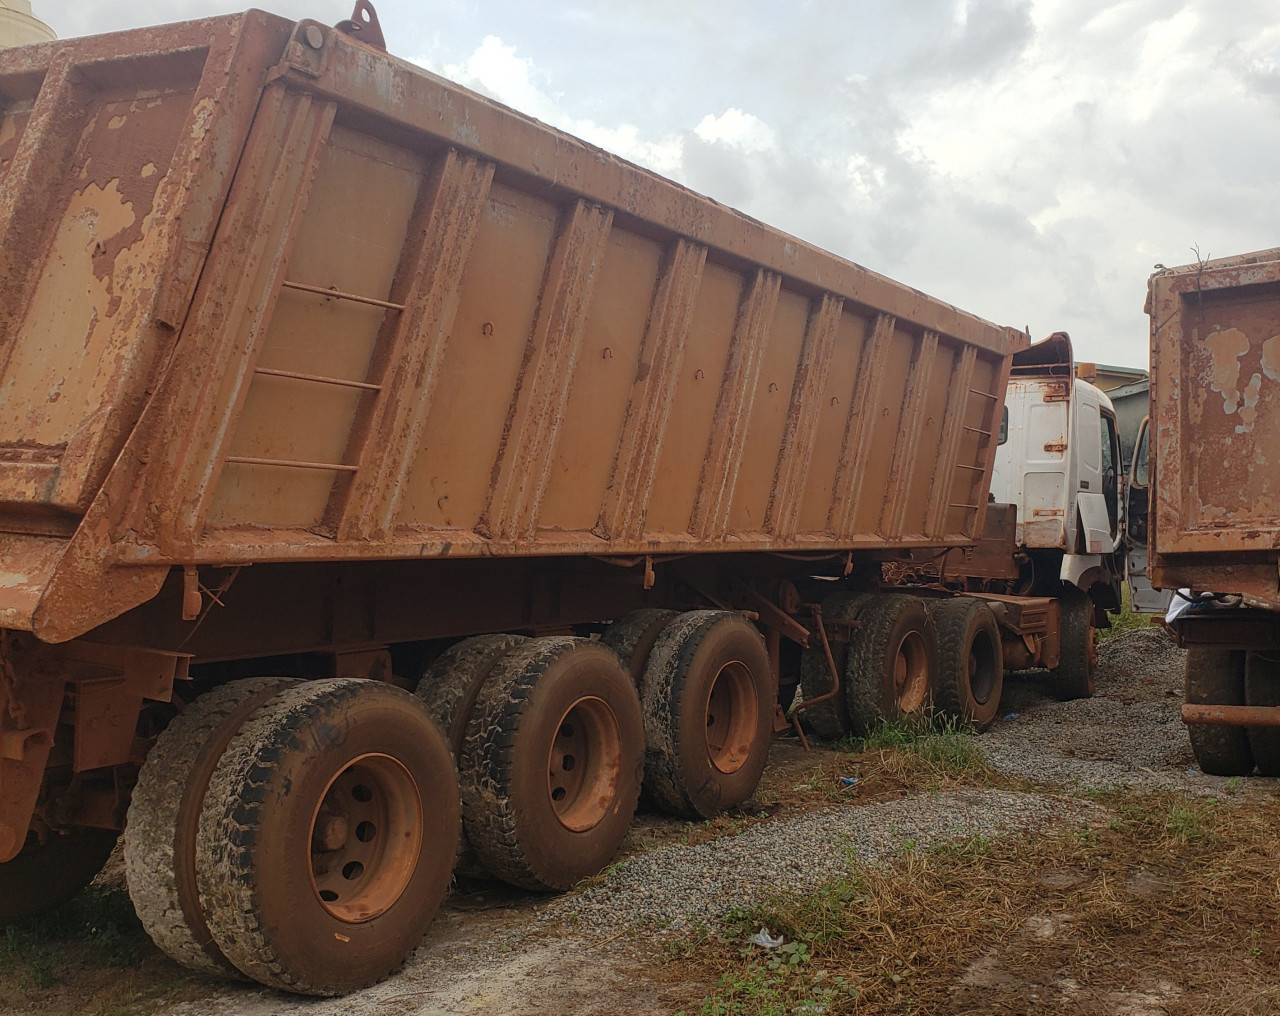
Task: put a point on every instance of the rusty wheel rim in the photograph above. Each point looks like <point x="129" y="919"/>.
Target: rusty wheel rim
<point x="366" y="836"/>
<point x="911" y="673"/>
<point x="731" y="717"/>
<point x="583" y="764"/>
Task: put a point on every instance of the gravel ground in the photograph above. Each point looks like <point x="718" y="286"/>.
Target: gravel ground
<point x="583" y="953"/>
<point x="1130" y="734"/>
<point x="680" y="887"/>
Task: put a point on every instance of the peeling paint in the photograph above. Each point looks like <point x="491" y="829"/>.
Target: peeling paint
<point x="1271" y="358"/>
<point x="1227" y="347"/>
<point x="1249" y="405"/>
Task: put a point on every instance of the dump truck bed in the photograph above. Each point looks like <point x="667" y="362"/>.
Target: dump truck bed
<point x="273" y="295"/>
<point x="1215" y="418"/>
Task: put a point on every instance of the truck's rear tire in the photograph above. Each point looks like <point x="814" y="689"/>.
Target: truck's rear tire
<point x="1262" y="688"/>
<point x="46" y="874"/>
<point x="830" y="719"/>
<point x="449" y="688"/>
<point x="450" y="685"/>
<point x="328" y="834"/>
<point x="708" y="709"/>
<point x="1216" y="677"/>
<point x="552" y="763"/>
<point x="632" y="637"/>
<point x="970" y="660"/>
<point x="164" y="815"/>
<point x="892" y="671"/>
<point x="1073" y="678"/>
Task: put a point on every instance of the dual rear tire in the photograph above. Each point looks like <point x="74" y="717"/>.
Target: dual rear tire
<point x="300" y="834"/>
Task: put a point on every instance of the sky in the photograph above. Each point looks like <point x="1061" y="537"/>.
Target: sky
<point x="1029" y="161"/>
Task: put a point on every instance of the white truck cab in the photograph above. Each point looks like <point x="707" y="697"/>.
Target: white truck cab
<point x="1057" y="461"/>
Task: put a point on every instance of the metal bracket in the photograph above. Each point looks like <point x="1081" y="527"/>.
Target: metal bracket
<point x="363" y="26"/>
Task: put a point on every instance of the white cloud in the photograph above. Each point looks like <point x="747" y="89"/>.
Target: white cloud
<point x="495" y="70"/>
<point x="736" y="128"/>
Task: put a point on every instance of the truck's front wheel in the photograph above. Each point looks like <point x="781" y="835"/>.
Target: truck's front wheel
<point x="1216" y="677"/>
<point x="327" y="838"/>
<point x="1073" y="678"/>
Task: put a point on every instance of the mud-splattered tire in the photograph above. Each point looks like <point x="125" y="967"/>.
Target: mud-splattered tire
<point x="327" y="837"/>
<point x="450" y="685"/>
<point x="1262" y="688"/>
<point x="829" y="720"/>
<point x="632" y="637"/>
<point x="893" y="664"/>
<point x="552" y="762"/>
<point x="708" y="708"/>
<point x="46" y="874"/>
<point x="970" y="660"/>
<point x="164" y="814"/>
<point x="1073" y="678"/>
<point x="449" y="688"/>
<point x="1216" y="677"/>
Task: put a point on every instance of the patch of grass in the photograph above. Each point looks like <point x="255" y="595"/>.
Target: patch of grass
<point x="1124" y="619"/>
<point x="90" y="957"/>
<point x="1174" y="897"/>
<point x="945" y="753"/>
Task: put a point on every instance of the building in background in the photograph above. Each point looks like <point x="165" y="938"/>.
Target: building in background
<point x="19" y="27"/>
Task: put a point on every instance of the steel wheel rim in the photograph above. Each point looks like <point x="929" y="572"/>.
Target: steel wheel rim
<point x="911" y="673"/>
<point x="366" y="836"/>
<point x="731" y="717"/>
<point x="583" y="764"/>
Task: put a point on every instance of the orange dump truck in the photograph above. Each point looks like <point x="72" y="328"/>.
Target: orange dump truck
<point x="324" y="380"/>
<point x="1208" y="468"/>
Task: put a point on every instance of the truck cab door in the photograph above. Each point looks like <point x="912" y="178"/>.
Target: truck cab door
<point x="1097" y="520"/>
<point x="1143" y="597"/>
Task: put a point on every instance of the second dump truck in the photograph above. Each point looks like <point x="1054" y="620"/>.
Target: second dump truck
<point x="1206" y="498"/>
<point x="389" y="482"/>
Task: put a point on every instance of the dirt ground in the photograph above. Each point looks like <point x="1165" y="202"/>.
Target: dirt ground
<point x="503" y="952"/>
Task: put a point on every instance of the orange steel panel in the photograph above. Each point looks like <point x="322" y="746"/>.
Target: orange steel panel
<point x="426" y="326"/>
<point x="1215" y="409"/>
<point x="606" y="369"/>
<point x="768" y="416"/>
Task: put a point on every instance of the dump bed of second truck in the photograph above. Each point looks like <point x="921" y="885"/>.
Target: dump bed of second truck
<point x="1215" y="422"/>
<point x="272" y="294"/>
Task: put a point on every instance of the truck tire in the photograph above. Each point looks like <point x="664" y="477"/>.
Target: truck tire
<point x="970" y="660"/>
<point x="1216" y="677"/>
<point x="327" y="837"/>
<point x="1262" y="688"/>
<point x="46" y="874"/>
<point x="552" y="763"/>
<point x="632" y="637"/>
<point x="449" y="688"/>
<point x="829" y="720"/>
<point x="1078" y="648"/>
<point x="450" y="685"/>
<point x="164" y="815"/>
<point x="892" y="670"/>
<point x="708" y="713"/>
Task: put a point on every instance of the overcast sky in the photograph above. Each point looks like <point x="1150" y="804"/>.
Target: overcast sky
<point x="1026" y="160"/>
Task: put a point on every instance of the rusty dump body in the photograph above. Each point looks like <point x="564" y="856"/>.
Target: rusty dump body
<point x="273" y="296"/>
<point x="1215" y="419"/>
<point x="313" y="365"/>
